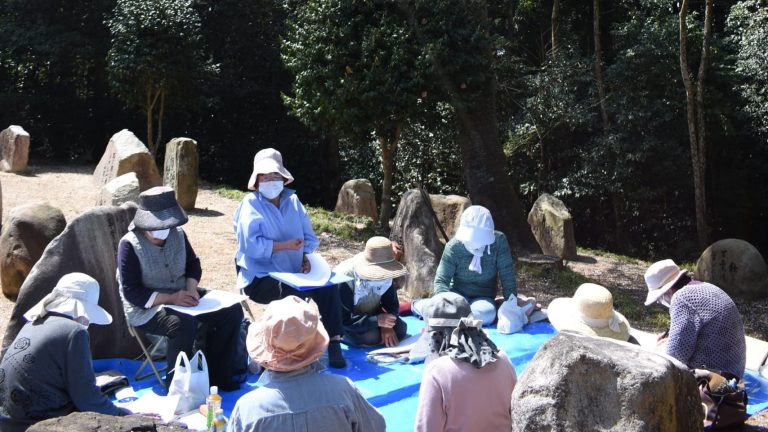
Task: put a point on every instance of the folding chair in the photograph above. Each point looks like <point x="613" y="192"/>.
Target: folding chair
<point x="150" y="354"/>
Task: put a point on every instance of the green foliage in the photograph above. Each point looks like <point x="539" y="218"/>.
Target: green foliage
<point x="748" y="20"/>
<point x="354" y="65"/>
<point x="156" y="45"/>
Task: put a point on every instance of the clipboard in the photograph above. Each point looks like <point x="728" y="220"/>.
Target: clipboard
<point x="320" y="275"/>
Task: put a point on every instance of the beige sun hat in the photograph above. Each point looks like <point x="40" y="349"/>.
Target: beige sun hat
<point x="377" y="261"/>
<point x="660" y="277"/>
<point x="590" y="312"/>
<point x="288" y="336"/>
<point x="268" y="161"/>
<point x="75" y="295"/>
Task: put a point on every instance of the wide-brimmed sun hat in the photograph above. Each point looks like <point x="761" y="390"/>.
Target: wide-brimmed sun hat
<point x="268" y="161"/>
<point x="288" y="336"/>
<point x="75" y="295"/>
<point x="590" y="312"/>
<point x="158" y="210"/>
<point x="377" y="261"/>
<point x="476" y="226"/>
<point x="660" y="277"/>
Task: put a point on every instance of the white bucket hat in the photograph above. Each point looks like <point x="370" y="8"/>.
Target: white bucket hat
<point x="590" y="312"/>
<point x="75" y="295"/>
<point x="660" y="277"/>
<point x="268" y="161"/>
<point x="476" y="226"/>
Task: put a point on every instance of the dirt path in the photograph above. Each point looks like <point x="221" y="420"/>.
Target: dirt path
<point x="72" y="189"/>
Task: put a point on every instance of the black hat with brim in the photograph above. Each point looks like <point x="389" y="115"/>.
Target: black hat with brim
<point x="158" y="210"/>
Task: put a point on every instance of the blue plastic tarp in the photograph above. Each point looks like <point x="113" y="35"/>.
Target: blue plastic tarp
<point x="394" y="388"/>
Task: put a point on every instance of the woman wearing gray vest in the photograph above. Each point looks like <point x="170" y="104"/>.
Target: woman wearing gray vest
<point x="157" y="266"/>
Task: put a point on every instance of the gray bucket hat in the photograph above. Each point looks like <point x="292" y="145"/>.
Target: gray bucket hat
<point x="445" y="310"/>
<point x="158" y="210"/>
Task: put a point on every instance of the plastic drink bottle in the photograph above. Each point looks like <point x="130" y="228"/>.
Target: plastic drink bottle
<point x="212" y="404"/>
<point x="219" y="422"/>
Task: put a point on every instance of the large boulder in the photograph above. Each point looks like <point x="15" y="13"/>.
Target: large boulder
<point x="414" y="228"/>
<point x="735" y="266"/>
<point x="88" y="245"/>
<point x="14" y="147"/>
<point x="357" y="197"/>
<point x="448" y="209"/>
<point x="583" y="383"/>
<point x="25" y="235"/>
<point x="552" y="226"/>
<point x="120" y="190"/>
<point x="180" y="170"/>
<point x="92" y="422"/>
<point x="125" y="153"/>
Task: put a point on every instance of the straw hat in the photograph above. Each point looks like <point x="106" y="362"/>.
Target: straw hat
<point x="590" y="312"/>
<point x="476" y="226"/>
<point x="377" y="261"/>
<point x="158" y="210"/>
<point x="75" y="295"/>
<point x="268" y="161"/>
<point x="288" y="336"/>
<point x="660" y="277"/>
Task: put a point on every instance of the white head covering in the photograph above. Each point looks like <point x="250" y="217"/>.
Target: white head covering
<point x="75" y="295"/>
<point x="476" y="233"/>
<point x="660" y="277"/>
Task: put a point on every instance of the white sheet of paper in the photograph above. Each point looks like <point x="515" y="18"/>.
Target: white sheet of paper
<point x="151" y="403"/>
<point x="318" y="275"/>
<point x="213" y="301"/>
<point x="194" y="421"/>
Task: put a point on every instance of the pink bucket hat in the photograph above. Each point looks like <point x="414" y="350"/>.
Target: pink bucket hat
<point x="288" y="336"/>
<point x="268" y="161"/>
<point x="660" y="277"/>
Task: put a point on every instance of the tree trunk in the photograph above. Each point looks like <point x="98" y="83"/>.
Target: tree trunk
<point x="331" y="171"/>
<point x="485" y="171"/>
<point x="149" y="110"/>
<point x="599" y="63"/>
<point x="388" y="148"/>
<point x="696" y="116"/>
<point x="553" y="22"/>
<point x="160" y="115"/>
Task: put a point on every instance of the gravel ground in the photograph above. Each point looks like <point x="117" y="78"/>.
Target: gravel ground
<point x="71" y="188"/>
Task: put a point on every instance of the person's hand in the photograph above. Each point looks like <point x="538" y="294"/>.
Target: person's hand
<point x="185" y="298"/>
<point x="386" y="320"/>
<point x="306" y="267"/>
<point x="661" y="341"/>
<point x="397" y="250"/>
<point x="388" y="336"/>
<point x="293" y="244"/>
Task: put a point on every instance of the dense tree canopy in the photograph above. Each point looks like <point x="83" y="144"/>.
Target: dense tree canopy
<point x="472" y="68"/>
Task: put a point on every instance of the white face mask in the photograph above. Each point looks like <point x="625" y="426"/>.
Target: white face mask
<point x="271" y="189"/>
<point x="160" y="234"/>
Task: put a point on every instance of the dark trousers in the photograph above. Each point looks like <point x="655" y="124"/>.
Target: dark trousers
<point x="264" y="290"/>
<point x="370" y="337"/>
<point x="223" y="351"/>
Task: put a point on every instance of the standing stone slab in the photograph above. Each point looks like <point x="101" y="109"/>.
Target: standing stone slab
<point x="448" y="209"/>
<point x="88" y="245"/>
<point x="357" y="197"/>
<point x="414" y="228"/>
<point x="14" y="146"/>
<point x="552" y="226"/>
<point x="120" y="190"/>
<point x="25" y="235"/>
<point x="735" y="266"/>
<point x="125" y="153"/>
<point x="180" y="171"/>
<point x="582" y="383"/>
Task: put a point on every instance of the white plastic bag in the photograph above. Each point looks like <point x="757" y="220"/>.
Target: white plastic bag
<point x="190" y="382"/>
<point x="512" y="317"/>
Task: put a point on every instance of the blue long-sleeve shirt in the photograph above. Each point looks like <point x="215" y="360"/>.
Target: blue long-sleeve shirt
<point x="258" y="224"/>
